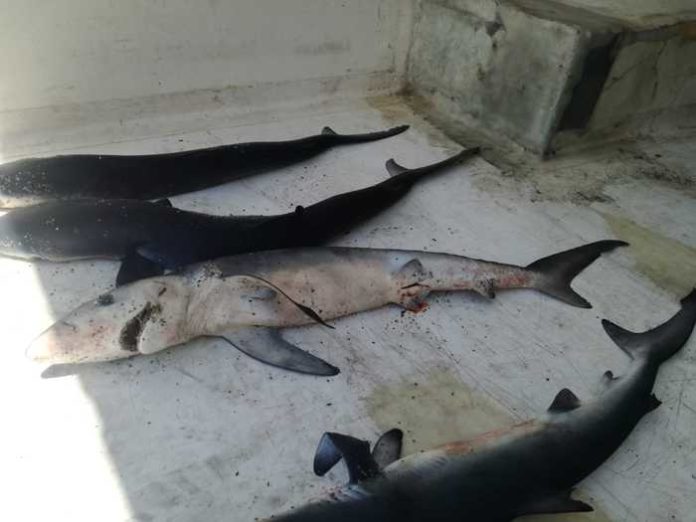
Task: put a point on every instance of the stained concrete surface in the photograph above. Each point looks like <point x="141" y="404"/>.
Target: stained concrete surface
<point x="504" y="72"/>
<point x="201" y="432"/>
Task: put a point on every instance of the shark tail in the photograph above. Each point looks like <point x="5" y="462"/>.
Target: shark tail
<point x="402" y="173"/>
<point x="663" y="341"/>
<point x="362" y="464"/>
<point x="361" y="138"/>
<point x="556" y="272"/>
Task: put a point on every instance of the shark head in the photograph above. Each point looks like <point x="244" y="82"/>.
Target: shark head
<point x="142" y="317"/>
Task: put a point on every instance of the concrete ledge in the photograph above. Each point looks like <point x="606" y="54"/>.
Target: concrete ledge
<point x="485" y="67"/>
<point x="650" y="88"/>
<point x="542" y="75"/>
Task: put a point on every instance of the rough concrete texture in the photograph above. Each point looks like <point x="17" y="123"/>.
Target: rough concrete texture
<point x="506" y="74"/>
<point x="159" y="68"/>
<point x="635" y="14"/>
<point x="78" y="52"/>
<point x="654" y="72"/>
<point x="544" y="74"/>
<point x="201" y="432"/>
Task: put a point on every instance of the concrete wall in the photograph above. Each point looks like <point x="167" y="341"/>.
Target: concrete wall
<point x="494" y="67"/>
<point x="72" y="68"/>
<point x="639" y="14"/>
<point x="654" y="71"/>
<point x="524" y="70"/>
<point x="77" y="51"/>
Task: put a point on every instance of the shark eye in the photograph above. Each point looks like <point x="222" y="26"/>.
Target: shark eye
<point x="105" y="300"/>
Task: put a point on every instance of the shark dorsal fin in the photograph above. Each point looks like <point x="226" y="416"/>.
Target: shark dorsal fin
<point x="328" y="131"/>
<point x="565" y="400"/>
<point x="394" y="168"/>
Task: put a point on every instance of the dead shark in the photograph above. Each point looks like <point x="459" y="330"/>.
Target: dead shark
<point x="150" y="237"/>
<point x="102" y="176"/>
<point x="239" y="298"/>
<point x="530" y="468"/>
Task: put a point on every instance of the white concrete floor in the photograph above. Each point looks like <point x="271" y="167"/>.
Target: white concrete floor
<point x="202" y="432"/>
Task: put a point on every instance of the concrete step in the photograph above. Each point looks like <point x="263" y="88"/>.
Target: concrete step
<point x="548" y="76"/>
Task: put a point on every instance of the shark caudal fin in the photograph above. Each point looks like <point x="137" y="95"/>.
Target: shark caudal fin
<point x="556" y="272"/>
<point x="388" y="447"/>
<point x="663" y="341"/>
<point x="355" y="454"/>
<point x="362" y="464"/>
<point x="397" y="171"/>
<point x="360" y="138"/>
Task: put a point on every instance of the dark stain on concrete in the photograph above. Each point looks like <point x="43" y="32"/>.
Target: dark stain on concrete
<point x="436" y="408"/>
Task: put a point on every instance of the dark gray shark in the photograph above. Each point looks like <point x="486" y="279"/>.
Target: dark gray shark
<point x="150" y="237"/>
<point x="35" y="180"/>
<point x="528" y="469"/>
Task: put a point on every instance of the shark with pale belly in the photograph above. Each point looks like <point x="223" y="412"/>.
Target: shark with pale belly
<point x="247" y="298"/>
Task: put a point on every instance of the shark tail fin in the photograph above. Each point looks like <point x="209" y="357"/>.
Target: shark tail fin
<point x="360" y="138"/>
<point x="355" y="454"/>
<point x="388" y="447"/>
<point x="360" y="462"/>
<point x="663" y="341"/>
<point x="398" y="171"/>
<point x="556" y="272"/>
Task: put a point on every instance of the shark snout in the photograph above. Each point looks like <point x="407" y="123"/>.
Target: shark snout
<point x="68" y="342"/>
<point x="42" y="349"/>
<point x="139" y="318"/>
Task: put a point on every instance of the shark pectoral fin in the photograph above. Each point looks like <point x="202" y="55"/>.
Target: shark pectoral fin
<point x="134" y="267"/>
<point x="267" y="345"/>
<point x="264" y="289"/>
<point x="387" y="449"/>
<point x="561" y="503"/>
<point x="170" y="257"/>
<point x="165" y="202"/>
<point x="565" y="400"/>
<point x="355" y="454"/>
<point x="393" y="168"/>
